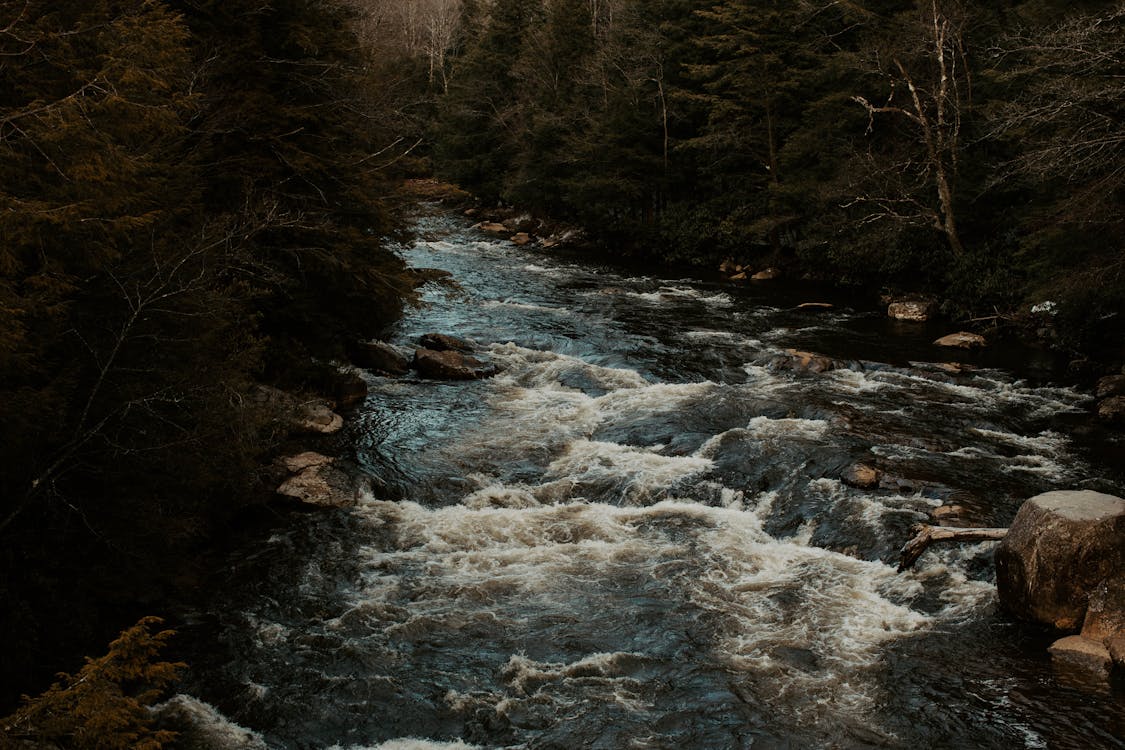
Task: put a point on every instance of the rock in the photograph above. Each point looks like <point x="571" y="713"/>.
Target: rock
<point x="740" y="276"/>
<point x="1110" y="385"/>
<point x="440" y="342"/>
<point x="379" y="356"/>
<point x="322" y="486"/>
<point x="1083" y="654"/>
<point x="1116" y="647"/>
<point x="471" y="212"/>
<point x="916" y="310"/>
<point x="815" y="306"/>
<point x="767" y="275"/>
<point x="493" y="227"/>
<point x="302" y="461"/>
<point x="521" y="238"/>
<point x="954" y="367"/>
<point x="946" y="512"/>
<point x="348" y="389"/>
<point x="315" y="416"/>
<point x="727" y="266"/>
<point x="549" y="242"/>
<point x="962" y="340"/>
<point x="1105" y="612"/>
<point x="861" y="476"/>
<point x="451" y="365"/>
<point x="1112" y="409"/>
<point x="800" y="361"/>
<point x="308" y="416"/>
<point x="1061" y="546"/>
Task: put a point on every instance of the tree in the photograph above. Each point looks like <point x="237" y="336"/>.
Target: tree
<point x="930" y="93"/>
<point x="105" y="705"/>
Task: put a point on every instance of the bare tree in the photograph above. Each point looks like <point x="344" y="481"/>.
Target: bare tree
<point x="1067" y="110"/>
<point x="929" y="93"/>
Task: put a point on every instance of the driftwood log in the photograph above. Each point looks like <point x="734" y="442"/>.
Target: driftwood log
<point x="925" y="535"/>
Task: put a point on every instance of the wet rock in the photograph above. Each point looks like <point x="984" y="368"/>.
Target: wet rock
<point x="440" y="342"/>
<point x="521" y="238"/>
<point x="962" y="340"/>
<point x="492" y="226"/>
<point x="728" y="266"/>
<point x="321" y="485"/>
<point x="451" y="365"/>
<point x="947" y="512"/>
<point x="1078" y="653"/>
<point x="767" y="275"/>
<point x="815" y="306"/>
<point x="1110" y="385"/>
<point x="740" y="276"/>
<point x="379" y="356"/>
<point x="799" y="361"/>
<point x="956" y="368"/>
<point x="916" y="310"/>
<point x="1061" y="546"/>
<point x="1112" y="409"/>
<point x="861" y="476"/>
<point x="549" y="242"/>
<point x="1105" y="612"/>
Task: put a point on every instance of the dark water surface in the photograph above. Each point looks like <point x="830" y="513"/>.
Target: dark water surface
<point x="636" y="535"/>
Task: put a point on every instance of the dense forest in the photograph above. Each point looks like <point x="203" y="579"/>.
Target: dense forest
<point x="199" y="196"/>
<point x="972" y="150"/>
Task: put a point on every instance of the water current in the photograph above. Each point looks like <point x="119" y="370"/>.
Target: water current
<point x="636" y="536"/>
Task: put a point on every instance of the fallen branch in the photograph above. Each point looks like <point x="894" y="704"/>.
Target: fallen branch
<point x="927" y="535"/>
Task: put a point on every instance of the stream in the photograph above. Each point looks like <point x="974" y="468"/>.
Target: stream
<point x="636" y="535"/>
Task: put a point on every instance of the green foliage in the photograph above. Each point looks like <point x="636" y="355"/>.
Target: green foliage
<point x="104" y="706"/>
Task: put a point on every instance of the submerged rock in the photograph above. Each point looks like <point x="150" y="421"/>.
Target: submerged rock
<point x="962" y="340"/>
<point x="918" y="311"/>
<point x="1060" y="548"/>
<point x="451" y="365"/>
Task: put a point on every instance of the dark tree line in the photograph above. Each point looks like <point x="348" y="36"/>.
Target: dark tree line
<point x="192" y="200"/>
<point x="972" y="149"/>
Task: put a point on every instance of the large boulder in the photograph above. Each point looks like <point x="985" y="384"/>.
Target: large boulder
<point x="1060" y="548"/>
<point x="451" y="365"/>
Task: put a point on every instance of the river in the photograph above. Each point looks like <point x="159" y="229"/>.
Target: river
<point x="636" y="535"/>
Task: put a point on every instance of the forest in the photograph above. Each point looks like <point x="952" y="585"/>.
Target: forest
<point x="198" y="196"/>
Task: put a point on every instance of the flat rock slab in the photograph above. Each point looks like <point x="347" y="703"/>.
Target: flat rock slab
<point x="1060" y="548"/>
<point x="1081" y="653"/>
<point x="302" y="461"/>
<point x="962" y="340"/>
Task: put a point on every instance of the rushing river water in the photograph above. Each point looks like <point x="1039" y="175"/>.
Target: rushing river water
<point x="636" y="535"/>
